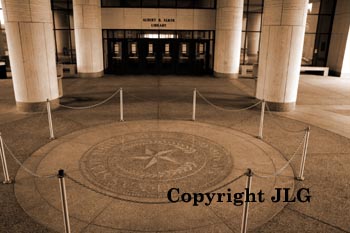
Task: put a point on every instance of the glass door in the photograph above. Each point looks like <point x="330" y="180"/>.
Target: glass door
<point x="201" y="64"/>
<point x="149" y="56"/>
<point x="133" y="64"/>
<point x="185" y="61"/>
<point x="158" y="52"/>
<point x="116" y="63"/>
<point x="166" y="58"/>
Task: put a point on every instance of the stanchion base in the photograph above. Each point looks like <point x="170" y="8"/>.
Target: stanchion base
<point x="300" y="178"/>
<point x="259" y="137"/>
<point x="8" y="182"/>
<point x="121" y="120"/>
<point x="52" y="138"/>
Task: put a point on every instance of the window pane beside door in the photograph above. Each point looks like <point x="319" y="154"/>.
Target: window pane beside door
<point x="117" y="51"/>
<point x="166" y="54"/>
<point x="150" y="54"/>
<point x="184" y="53"/>
<point x="133" y="50"/>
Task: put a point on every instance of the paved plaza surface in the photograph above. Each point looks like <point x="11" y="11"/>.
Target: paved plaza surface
<point x="118" y="173"/>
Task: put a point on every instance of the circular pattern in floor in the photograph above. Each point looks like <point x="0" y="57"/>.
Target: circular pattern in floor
<point x="148" y="164"/>
<point x="119" y="176"/>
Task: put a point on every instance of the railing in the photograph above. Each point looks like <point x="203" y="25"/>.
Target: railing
<point x="303" y="143"/>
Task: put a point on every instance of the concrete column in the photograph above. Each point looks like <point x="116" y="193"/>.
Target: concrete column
<point x="254" y="21"/>
<point x="281" y="47"/>
<point x="228" y="35"/>
<point x="339" y="49"/>
<point x="88" y="37"/>
<point x="31" y="45"/>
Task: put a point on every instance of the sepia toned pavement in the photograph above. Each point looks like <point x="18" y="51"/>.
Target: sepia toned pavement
<point x="158" y="113"/>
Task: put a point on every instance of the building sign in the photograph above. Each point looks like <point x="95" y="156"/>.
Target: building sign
<point x="158" y="22"/>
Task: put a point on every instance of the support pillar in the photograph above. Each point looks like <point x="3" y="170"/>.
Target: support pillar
<point x="88" y="38"/>
<point x="254" y="21"/>
<point x="229" y="16"/>
<point x="31" y="45"/>
<point x="339" y="49"/>
<point x="281" y="46"/>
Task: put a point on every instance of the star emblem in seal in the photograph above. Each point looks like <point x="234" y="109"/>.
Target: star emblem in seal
<point x="153" y="157"/>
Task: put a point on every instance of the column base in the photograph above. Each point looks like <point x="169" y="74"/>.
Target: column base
<point x="36" y="106"/>
<point x="226" y="75"/>
<point x="345" y="75"/>
<point x="91" y="75"/>
<point x="281" y="107"/>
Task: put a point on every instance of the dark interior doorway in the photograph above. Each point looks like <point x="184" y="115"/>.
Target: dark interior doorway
<point x="152" y="53"/>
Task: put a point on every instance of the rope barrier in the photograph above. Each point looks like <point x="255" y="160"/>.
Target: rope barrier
<point x="230" y="182"/>
<point x="24" y="167"/>
<point x="225" y="109"/>
<point x="94" y="105"/>
<point x="232" y="126"/>
<point x="288" y="162"/>
<point x="141" y="202"/>
<point x="157" y="100"/>
<point x="108" y="195"/>
<point x="35" y="119"/>
<point x="279" y="125"/>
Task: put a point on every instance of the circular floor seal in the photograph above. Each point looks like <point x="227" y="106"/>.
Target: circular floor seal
<point x="121" y="174"/>
<point x="148" y="164"/>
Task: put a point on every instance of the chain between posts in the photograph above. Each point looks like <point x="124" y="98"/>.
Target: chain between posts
<point x="24" y="167"/>
<point x="288" y="162"/>
<point x="94" y="105"/>
<point x="156" y="100"/>
<point x="225" y="109"/>
<point x="39" y="115"/>
<point x="228" y="183"/>
<point x="279" y="125"/>
<point x="108" y="195"/>
<point x="135" y="201"/>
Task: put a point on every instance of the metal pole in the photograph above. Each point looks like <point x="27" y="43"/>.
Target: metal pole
<point x="4" y="163"/>
<point x="194" y="104"/>
<point x="64" y="201"/>
<point x="303" y="158"/>
<point x="121" y="104"/>
<point x="261" y="126"/>
<point x="48" y="107"/>
<point x="244" y="226"/>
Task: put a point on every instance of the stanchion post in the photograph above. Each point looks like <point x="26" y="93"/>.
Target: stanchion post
<point x="194" y="104"/>
<point x="303" y="158"/>
<point x="261" y="125"/>
<point x="7" y="179"/>
<point x="121" y="104"/>
<point x="64" y="201"/>
<point x="48" y="107"/>
<point x="244" y="225"/>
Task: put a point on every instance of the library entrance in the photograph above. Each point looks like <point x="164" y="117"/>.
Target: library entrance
<point x="158" y="52"/>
